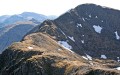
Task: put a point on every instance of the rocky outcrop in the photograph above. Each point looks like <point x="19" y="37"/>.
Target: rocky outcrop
<point x="89" y="29"/>
<point x="39" y="54"/>
<point x="64" y="46"/>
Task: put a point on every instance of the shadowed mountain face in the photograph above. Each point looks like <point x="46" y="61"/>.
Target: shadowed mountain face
<point x="14" y="27"/>
<point x="64" y="46"/>
<point x="39" y="54"/>
<point x="88" y="29"/>
<point x="15" y="32"/>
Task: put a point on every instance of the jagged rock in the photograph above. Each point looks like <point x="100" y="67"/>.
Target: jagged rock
<point x="89" y="29"/>
<point x="39" y="54"/>
<point x="46" y="48"/>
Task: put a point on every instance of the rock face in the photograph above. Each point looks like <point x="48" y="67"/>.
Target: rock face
<point x="39" y="54"/>
<point x="89" y="29"/>
<point x="64" y="46"/>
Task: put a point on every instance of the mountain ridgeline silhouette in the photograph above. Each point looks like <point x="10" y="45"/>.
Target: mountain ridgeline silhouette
<point x="89" y="29"/>
<point x="83" y="41"/>
<point x="6" y="20"/>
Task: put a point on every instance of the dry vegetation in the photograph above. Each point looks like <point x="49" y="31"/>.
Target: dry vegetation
<point x="44" y="57"/>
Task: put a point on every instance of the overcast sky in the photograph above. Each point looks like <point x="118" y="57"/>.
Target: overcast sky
<point x="48" y="7"/>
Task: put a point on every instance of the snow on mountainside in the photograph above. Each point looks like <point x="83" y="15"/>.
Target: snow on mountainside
<point x="88" y="29"/>
<point x="83" y="41"/>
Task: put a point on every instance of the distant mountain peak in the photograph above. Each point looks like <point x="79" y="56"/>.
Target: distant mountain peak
<point x="25" y="16"/>
<point x="82" y="41"/>
<point x="98" y="25"/>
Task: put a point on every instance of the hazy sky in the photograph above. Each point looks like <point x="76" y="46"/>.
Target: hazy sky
<point x="48" y="7"/>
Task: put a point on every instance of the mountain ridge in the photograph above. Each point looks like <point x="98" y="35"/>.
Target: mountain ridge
<point x="91" y="32"/>
<point x="25" y="16"/>
<point x="25" y="20"/>
<point x="15" y="32"/>
<point x="79" y="42"/>
<point x="45" y="57"/>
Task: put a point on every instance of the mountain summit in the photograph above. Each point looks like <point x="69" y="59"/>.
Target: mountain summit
<point x="14" y="27"/>
<point x="87" y="29"/>
<point x="80" y="42"/>
<point x="25" y="16"/>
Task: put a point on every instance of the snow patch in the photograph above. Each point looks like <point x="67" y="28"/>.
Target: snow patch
<point x="79" y="25"/>
<point x="72" y="38"/>
<point x="87" y="19"/>
<point x="84" y="57"/>
<point x="83" y="19"/>
<point x="101" y="20"/>
<point x="118" y="68"/>
<point x="90" y="16"/>
<point x="30" y="47"/>
<point x="97" y="28"/>
<point x="117" y="36"/>
<point x="54" y="37"/>
<point x="118" y="59"/>
<point x="103" y="56"/>
<point x="65" y="44"/>
<point x="82" y="41"/>
<point x="96" y="16"/>
<point x="91" y="63"/>
<point x="59" y="49"/>
<point x="89" y="57"/>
